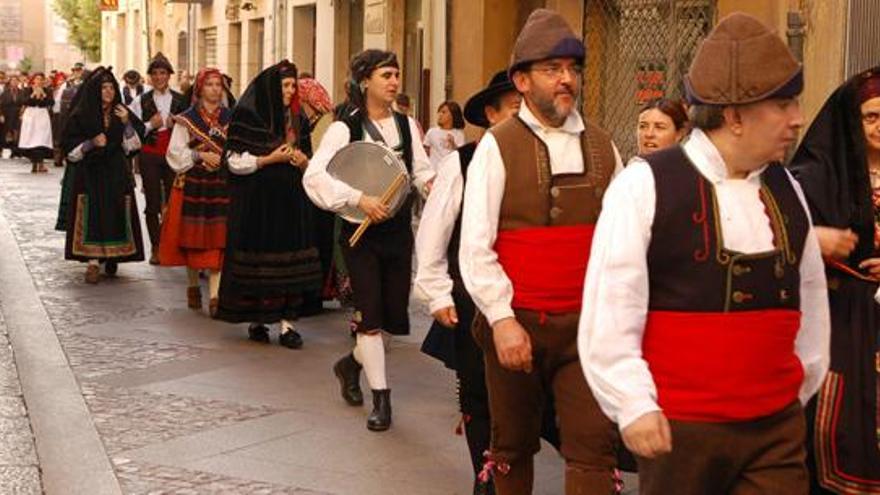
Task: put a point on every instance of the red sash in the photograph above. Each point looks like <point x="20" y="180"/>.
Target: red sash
<point x="717" y="367"/>
<point x="160" y="146"/>
<point x="546" y="265"/>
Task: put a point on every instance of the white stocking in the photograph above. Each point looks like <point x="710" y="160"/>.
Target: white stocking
<point x="370" y="353"/>
<point x="286" y="326"/>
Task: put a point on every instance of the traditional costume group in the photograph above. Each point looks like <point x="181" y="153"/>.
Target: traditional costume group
<point x="672" y="309"/>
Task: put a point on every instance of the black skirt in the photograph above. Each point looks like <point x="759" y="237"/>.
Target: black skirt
<point x="99" y="204"/>
<point x="271" y="264"/>
<point x="843" y="418"/>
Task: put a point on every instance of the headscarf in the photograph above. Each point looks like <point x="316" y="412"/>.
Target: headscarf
<point x="201" y="77"/>
<point x="86" y="119"/>
<point x="831" y="166"/>
<point x="362" y="66"/>
<point x="311" y="93"/>
<point x="258" y="120"/>
<point x="59" y="79"/>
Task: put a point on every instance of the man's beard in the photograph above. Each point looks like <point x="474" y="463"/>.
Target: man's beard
<point x="547" y="108"/>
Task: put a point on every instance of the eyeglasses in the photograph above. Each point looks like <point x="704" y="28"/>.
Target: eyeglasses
<point x="556" y="71"/>
<point x="871" y="118"/>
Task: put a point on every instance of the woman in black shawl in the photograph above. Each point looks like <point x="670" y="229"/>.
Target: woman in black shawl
<point x="838" y="166"/>
<point x="102" y="221"/>
<point x="271" y="265"/>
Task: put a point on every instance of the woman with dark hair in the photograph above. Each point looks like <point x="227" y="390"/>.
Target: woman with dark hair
<point x="380" y="266"/>
<point x="838" y="166"/>
<point x="271" y="266"/>
<point x="662" y="123"/>
<point x="448" y="135"/>
<point x="102" y="220"/>
<point x="35" y="139"/>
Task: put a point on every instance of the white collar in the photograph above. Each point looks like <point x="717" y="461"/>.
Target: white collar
<point x="705" y="155"/>
<point x="573" y="124"/>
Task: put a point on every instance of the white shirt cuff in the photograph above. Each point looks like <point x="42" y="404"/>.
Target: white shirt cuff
<point x="499" y="312"/>
<point x="440" y="303"/>
<point x="354" y="199"/>
<point x="633" y="409"/>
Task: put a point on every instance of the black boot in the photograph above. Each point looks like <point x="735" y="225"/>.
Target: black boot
<point x="110" y="268"/>
<point x="348" y="371"/>
<point x="258" y="333"/>
<point x="380" y="418"/>
<point x="291" y="339"/>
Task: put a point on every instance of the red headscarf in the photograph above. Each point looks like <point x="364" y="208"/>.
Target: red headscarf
<point x="202" y="77"/>
<point x="313" y="94"/>
<point x="59" y="79"/>
<point x="870" y="88"/>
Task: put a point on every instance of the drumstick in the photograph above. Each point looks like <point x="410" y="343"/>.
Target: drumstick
<point x="386" y="198"/>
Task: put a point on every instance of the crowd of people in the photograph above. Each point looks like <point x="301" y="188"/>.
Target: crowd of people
<point x="704" y="314"/>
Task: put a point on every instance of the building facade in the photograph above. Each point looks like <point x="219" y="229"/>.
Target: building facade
<point x="637" y="49"/>
<point x="38" y="40"/>
<point x="243" y="37"/>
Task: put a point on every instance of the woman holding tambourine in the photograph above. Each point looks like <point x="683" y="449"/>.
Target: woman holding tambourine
<point x="378" y="251"/>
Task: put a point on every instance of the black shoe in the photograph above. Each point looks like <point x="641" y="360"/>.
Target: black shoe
<point x="348" y="371"/>
<point x="380" y="418"/>
<point x="291" y="339"/>
<point x="258" y="333"/>
<point x="110" y="268"/>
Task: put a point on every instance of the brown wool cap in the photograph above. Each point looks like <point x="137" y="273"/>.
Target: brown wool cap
<point x="545" y="35"/>
<point x="742" y="61"/>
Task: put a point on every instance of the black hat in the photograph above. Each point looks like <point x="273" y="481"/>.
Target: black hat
<point x="474" y="109"/>
<point x="160" y="62"/>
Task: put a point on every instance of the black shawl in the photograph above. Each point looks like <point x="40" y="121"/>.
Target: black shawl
<point x="86" y="120"/>
<point x="258" y="119"/>
<point x="831" y="166"/>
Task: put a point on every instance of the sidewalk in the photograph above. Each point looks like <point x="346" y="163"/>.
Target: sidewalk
<point x="186" y="405"/>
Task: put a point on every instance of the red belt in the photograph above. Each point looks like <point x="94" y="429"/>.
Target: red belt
<point x="546" y="266"/>
<point x="716" y="367"/>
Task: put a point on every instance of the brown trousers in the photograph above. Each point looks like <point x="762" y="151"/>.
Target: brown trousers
<point x="516" y="404"/>
<point x="157" y="179"/>
<point x="761" y="457"/>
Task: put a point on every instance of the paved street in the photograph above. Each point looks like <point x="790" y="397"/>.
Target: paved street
<point x="155" y="398"/>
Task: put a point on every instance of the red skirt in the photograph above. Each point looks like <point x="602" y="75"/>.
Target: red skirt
<point x="171" y="251"/>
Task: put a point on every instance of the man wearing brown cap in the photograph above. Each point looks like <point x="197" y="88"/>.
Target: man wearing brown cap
<point x="705" y="323"/>
<point x="534" y="190"/>
<point x="156" y="108"/>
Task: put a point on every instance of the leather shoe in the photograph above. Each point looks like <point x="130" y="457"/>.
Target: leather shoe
<point x="348" y="371"/>
<point x="380" y="418"/>
<point x="258" y="333"/>
<point x="291" y="339"/>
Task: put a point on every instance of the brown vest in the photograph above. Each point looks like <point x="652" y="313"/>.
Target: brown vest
<point x="533" y="196"/>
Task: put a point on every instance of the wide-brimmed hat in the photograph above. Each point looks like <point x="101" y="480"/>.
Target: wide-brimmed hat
<point x="160" y="62"/>
<point x="545" y="35"/>
<point x="742" y="61"/>
<point x="474" y="109"/>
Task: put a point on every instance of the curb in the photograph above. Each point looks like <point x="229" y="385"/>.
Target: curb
<point x="72" y="457"/>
